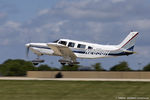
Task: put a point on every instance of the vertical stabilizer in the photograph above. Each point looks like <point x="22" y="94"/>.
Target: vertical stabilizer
<point x="129" y="42"/>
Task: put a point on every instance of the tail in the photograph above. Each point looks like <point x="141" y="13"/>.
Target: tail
<point x="129" y="42"/>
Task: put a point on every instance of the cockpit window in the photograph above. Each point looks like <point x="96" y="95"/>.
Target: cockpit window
<point x="63" y="42"/>
<point x="81" y="46"/>
<point x="71" y="44"/>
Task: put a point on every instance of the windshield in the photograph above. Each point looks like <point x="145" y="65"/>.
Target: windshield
<point x="63" y="42"/>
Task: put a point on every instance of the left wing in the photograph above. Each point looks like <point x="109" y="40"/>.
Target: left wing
<point x="61" y="50"/>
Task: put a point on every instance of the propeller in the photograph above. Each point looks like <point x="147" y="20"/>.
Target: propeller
<point x="27" y="49"/>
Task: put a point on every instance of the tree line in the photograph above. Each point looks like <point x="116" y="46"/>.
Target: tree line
<point x="19" y="67"/>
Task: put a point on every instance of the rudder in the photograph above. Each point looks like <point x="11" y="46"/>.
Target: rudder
<point x="129" y="42"/>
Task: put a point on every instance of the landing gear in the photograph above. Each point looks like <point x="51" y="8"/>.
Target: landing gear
<point x="63" y="64"/>
<point x="68" y="62"/>
<point x="37" y="61"/>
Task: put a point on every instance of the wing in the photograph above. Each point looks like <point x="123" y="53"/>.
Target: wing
<point x="63" y="51"/>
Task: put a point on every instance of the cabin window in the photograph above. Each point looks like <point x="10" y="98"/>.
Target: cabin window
<point x="81" y="46"/>
<point x="89" y="47"/>
<point x="71" y="44"/>
<point x="63" y="42"/>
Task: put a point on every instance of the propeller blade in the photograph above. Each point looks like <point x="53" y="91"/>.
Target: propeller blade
<point x="27" y="50"/>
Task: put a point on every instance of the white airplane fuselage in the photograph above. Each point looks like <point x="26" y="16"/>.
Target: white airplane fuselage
<point x="87" y="50"/>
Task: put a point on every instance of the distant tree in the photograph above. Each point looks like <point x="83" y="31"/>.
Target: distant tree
<point x="44" y="68"/>
<point x="98" y="67"/>
<point x="70" y="68"/>
<point x="86" y="68"/>
<point x="147" y="67"/>
<point x="16" y="67"/>
<point x="122" y="66"/>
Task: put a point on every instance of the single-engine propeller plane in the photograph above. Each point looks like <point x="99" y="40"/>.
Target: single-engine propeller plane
<point x="70" y="50"/>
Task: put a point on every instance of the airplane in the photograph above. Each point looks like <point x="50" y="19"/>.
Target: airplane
<point x="70" y="50"/>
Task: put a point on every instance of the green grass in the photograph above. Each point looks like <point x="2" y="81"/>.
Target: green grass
<point x="71" y="90"/>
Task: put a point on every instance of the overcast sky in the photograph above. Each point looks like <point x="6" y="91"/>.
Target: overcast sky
<point x="98" y="21"/>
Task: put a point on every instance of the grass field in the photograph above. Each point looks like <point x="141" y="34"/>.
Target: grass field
<point x="71" y="90"/>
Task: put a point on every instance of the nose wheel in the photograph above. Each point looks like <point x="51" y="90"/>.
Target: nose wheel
<point x="37" y="61"/>
<point x="64" y="62"/>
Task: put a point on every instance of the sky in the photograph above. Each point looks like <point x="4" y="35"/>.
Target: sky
<point x="97" y="21"/>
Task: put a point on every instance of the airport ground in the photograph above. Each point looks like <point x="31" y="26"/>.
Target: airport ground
<point x="73" y="90"/>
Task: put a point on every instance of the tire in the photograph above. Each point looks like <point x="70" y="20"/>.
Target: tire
<point x="63" y="64"/>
